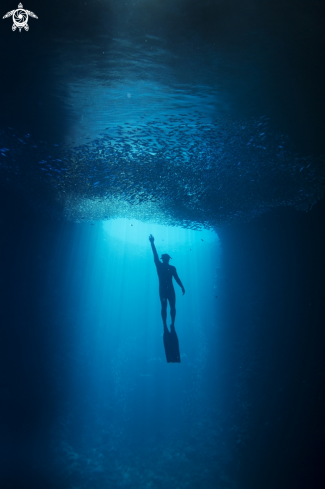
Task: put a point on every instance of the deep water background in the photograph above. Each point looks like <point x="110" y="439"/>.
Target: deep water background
<point x="86" y="398"/>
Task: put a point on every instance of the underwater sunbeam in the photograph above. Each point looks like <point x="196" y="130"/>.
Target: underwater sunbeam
<point x="171" y="238"/>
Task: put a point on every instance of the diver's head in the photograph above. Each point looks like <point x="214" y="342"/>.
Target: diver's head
<point x="165" y="258"/>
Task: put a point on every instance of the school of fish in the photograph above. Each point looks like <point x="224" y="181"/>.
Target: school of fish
<point x="179" y="170"/>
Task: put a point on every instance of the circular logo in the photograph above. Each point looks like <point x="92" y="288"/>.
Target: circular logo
<point x="20" y="18"/>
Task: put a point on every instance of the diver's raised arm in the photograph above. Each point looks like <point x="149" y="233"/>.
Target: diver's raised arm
<point x="155" y="254"/>
<point x="178" y="280"/>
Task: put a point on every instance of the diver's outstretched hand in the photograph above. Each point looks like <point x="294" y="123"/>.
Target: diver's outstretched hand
<point x="183" y="290"/>
<point x="151" y="238"/>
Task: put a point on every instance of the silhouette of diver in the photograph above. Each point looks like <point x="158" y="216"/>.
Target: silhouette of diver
<point x="166" y="273"/>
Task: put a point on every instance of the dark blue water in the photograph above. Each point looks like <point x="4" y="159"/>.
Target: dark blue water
<point x="200" y="123"/>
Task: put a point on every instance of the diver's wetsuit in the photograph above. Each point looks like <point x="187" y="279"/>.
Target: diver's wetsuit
<point x="166" y="288"/>
<point x="166" y="273"/>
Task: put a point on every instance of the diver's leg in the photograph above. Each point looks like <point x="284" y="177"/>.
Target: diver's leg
<point x="163" y="301"/>
<point x="172" y="304"/>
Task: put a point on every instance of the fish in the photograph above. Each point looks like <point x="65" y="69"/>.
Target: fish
<point x="176" y="170"/>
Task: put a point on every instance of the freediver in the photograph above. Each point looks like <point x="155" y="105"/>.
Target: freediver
<point x="166" y="273"/>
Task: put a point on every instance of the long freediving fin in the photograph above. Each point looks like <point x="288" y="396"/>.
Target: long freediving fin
<point x="171" y="346"/>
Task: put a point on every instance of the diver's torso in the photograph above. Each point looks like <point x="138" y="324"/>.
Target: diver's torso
<point x="165" y="274"/>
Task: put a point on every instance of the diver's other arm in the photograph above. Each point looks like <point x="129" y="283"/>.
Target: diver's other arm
<point x="178" y="280"/>
<point x="155" y="254"/>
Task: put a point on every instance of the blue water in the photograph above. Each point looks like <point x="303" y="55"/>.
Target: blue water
<point x="127" y="403"/>
<point x="200" y="123"/>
